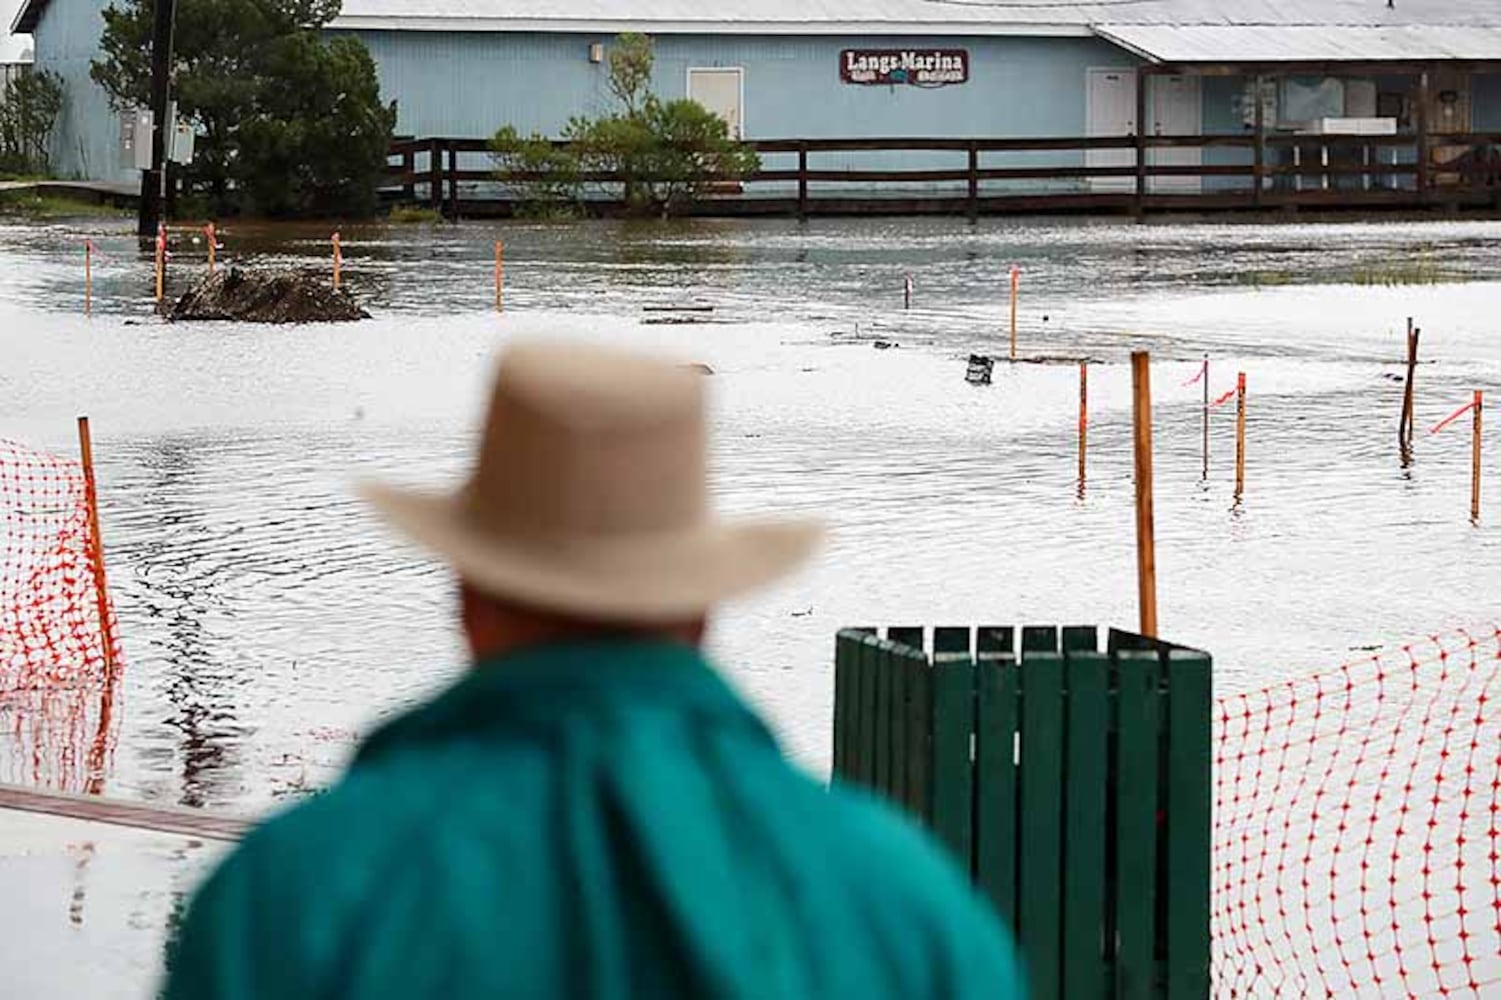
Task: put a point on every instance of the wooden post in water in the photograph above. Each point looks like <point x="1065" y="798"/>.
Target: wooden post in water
<point x="906" y="291"/>
<point x="802" y="181"/>
<point x="338" y="260"/>
<point x="1405" y="424"/>
<point x="500" y="250"/>
<point x="161" y="261"/>
<point x="1016" y="281"/>
<point x="1146" y="550"/>
<point x="1083" y="417"/>
<point x="1205" y="375"/>
<point x="1240" y="434"/>
<point x="1475" y="459"/>
<point x="212" y="235"/>
<point x="88" y="277"/>
<point x="96" y="549"/>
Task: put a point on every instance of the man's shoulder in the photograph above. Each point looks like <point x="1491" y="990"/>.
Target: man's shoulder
<point x="882" y="841"/>
<point x="913" y="895"/>
<point x="399" y="807"/>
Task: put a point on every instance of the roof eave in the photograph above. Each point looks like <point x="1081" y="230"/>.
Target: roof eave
<point x="28" y="17"/>
<point x="1105" y="35"/>
<point x="685" y="27"/>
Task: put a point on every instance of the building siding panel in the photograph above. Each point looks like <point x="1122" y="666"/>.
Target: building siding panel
<point x="471" y="84"/>
<point x="85" y="142"/>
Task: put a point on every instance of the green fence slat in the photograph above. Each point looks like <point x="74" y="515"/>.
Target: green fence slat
<point x="1086" y="767"/>
<point x="1039" y="889"/>
<point x="1039" y="639"/>
<point x="902" y="661"/>
<point x="844" y="646"/>
<point x="995" y="781"/>
<point x="1119" y="641"/>
<point x="854" y="739"/>
<point x="881" y="761"/>
<point x="1080" y="639"/>
<point x="906" y="635"/>
<point x="920" y="738"/>
<point x="951" y="639"/>
<point x="953" y="723"/>
<point x="1137" y="747"/>
<point x="865" y="731"/>
<point x="909" y="637"/>
<point x="1187" y="804"/>
<point x="995" y="639"/>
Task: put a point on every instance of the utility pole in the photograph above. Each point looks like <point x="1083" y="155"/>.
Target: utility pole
<point x="164" y="19"/>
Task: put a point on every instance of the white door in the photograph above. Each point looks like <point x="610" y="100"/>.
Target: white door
<point x="721" y="91"/>
<point x="1110" y="109"/>
<point x="1176" y="110"/>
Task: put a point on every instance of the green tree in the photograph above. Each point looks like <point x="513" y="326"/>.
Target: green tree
<point x="662" y="155"/>
<point x="317" y="140"/>
<point x="546" y="172"/>
<point x="631" y="60"/>
<point x="236" y="65"/>
<point x="29" y="107"/>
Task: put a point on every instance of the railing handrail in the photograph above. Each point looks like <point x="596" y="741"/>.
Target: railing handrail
<point x="434" y="163"/>
<point x="469" y="144"/>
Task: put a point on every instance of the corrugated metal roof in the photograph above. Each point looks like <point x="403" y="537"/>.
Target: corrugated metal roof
<point x="925" y="16"/>
<point x="1175" y="43"/>
<point x="996" y="17"/>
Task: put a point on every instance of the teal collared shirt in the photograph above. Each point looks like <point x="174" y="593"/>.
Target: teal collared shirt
<point x="593" y="820"/>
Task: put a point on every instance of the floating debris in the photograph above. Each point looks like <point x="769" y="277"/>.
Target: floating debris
<point x="980" y="367"/>
<point x="289" y="296"/>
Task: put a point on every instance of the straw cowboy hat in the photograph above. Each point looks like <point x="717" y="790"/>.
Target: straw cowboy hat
<point x="590" y="495"/>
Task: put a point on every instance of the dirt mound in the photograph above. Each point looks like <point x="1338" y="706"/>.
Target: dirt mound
<point x="292" y="296"/>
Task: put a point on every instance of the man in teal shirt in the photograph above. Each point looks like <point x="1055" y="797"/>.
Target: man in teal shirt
<point x="591" y="812"/>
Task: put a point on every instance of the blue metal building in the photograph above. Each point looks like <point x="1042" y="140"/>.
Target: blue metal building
<point x="891" y="68"/>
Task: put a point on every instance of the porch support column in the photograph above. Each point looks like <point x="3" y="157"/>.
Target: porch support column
<point x="1142" y="78"/>
<point x="1258" y="152"/>
<point x="1420" y="119"/>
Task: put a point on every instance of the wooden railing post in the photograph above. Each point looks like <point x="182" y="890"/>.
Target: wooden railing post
<point x="435" y="173"/>
<point x="453" y="181"/>
<point x="408" y="169"/>
<point x="974" y="183"/>
<point x="1421" y="120"/>
<point x="1258" y="153"/>
<point x="802" y="180"/>
<point x="1141" y="136"/>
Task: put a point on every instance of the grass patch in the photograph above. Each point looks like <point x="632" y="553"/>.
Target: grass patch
<point x="1264" y="279"/>
<point x="30" y="205"/>
<point x="415" y="215"/>
<point x="1418" y="272"/>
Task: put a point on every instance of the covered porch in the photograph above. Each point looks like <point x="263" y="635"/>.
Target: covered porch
<point x="1304" y="115"/>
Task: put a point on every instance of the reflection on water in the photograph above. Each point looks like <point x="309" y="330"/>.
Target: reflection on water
<point x="268" y="619"/>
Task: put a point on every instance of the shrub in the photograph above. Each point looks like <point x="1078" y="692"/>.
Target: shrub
<point x="660" y="155"/>
<point x="29" y="107"/>
<point x="288" y="122"/>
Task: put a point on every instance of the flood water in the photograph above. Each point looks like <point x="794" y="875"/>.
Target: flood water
<point x="268" y="620"/>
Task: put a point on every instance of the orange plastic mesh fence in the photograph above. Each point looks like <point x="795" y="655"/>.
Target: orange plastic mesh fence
<point x="56" y="688"/>
<point x="1356" y="829"/>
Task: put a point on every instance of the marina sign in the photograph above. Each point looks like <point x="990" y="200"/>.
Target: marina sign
<point x="917" y="67"/>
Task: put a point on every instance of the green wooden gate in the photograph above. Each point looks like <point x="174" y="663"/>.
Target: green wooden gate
<point x="1073" y="784"/>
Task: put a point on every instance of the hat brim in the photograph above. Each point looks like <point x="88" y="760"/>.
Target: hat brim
<point x="664" y="578"/>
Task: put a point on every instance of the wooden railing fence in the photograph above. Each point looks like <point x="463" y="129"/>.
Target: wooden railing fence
<point x="1337" y="171"/>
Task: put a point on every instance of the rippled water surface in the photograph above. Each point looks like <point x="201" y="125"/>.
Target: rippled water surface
<point x="268" y="621"/>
